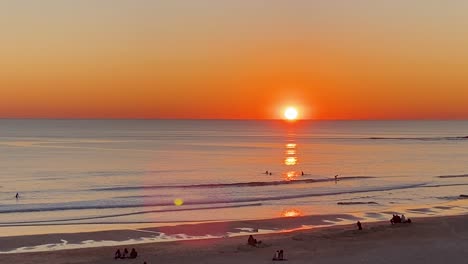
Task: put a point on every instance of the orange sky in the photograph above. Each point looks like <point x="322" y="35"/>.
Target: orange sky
<point x="225" y="59"/>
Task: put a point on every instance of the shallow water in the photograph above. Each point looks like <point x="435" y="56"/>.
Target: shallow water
<point x="132" y="171"/>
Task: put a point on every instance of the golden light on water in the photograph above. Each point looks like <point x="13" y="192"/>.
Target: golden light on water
<point x="291" y="145"/>
<point x="291" y="175"/>
<point x="290" y="161"/>
<point x="291" y="213"/>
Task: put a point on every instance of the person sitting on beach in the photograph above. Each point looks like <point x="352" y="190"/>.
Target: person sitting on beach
<point x="133" y="254"/>
<point x="279" y="255"/>
<point x="276" y="256"/>
<point x="125" y="253"/>
<point x="397" y="219"/>
<point x="403" y="218"/>
<point x="253" y="242"/>
<point x="117" y="254"/>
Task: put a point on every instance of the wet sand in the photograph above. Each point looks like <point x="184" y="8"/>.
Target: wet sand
<point x="426" y="240"/>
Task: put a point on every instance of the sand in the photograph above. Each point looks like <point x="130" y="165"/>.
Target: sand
<point x="426" y="240"/>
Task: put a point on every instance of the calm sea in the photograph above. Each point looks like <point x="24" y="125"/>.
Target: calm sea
<point x="154" y="171"/>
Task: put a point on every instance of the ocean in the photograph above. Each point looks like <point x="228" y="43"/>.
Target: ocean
<point x="71" y="173"/>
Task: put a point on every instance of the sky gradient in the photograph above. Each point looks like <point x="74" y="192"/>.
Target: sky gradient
<point x="234" y="59"/>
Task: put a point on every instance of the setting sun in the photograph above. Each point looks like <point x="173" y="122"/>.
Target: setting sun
<point x="290" y="113"/>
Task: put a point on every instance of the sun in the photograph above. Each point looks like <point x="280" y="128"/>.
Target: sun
<point x="290" y="113"/>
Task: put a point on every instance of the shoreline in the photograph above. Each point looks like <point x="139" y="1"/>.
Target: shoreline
<point x="436" y="237"/>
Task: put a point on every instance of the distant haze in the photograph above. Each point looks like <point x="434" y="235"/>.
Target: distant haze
<point x="235" y="59"/>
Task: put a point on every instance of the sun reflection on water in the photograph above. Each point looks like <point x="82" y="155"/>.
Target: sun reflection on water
<point x="290" y="161"/>
<point x="291" y="175"/>
<point x="291" y="213"/>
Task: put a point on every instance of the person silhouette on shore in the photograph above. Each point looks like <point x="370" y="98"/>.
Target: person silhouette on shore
<point x="117" y="254"/>
<point x="281" y="255"/>
<point x="266" y="172"/>
<point x="125" y="253"/>
<point x="403" y="218"/>
<point x="359" y="225"/>
<point x="302" y="173"/>
<point x="133" y="253"/>
<point x="17" y="196"/>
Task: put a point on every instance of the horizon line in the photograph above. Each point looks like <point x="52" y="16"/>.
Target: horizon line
<point x="226" y="119"/>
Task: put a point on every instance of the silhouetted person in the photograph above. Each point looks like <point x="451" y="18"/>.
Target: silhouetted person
<point x="281" y="255"/>
<point x="266" y="172"/>
<point x="133" y="254"/>
<point x="359" y="225"/>
<point x="17" y="195"/>
<point x="117" y="254"/>
<point x="252" y="241"/>
<point x="336" y="177"/>
<point x="271" y="173"/>
<point x="395" y="219"/>
<point x="276" y="256"/>
<point x="125" y="253"/>
<point x="403" y="218"/>
<point x="302" y="173"/>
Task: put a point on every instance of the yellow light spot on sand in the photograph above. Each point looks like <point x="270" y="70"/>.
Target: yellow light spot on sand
<point x="178" y="202"/>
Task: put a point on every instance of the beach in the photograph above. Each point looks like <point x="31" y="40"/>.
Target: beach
<point x="426" y="240"/>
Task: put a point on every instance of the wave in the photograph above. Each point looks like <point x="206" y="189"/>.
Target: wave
<point x="445" y="185"/>
<point x="453" y="176"/>
<point x="226" y="185"/>
<point x="129" y="214"/>
<point x="419" y="138"/>
<point x="354" y="203"/>
<point x="202" y="202"/>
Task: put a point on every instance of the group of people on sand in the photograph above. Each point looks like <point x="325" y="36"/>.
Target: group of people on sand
<point x="396" y="219"/>
<point x="123" y="255"/>
<point x="279" y="255"/>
